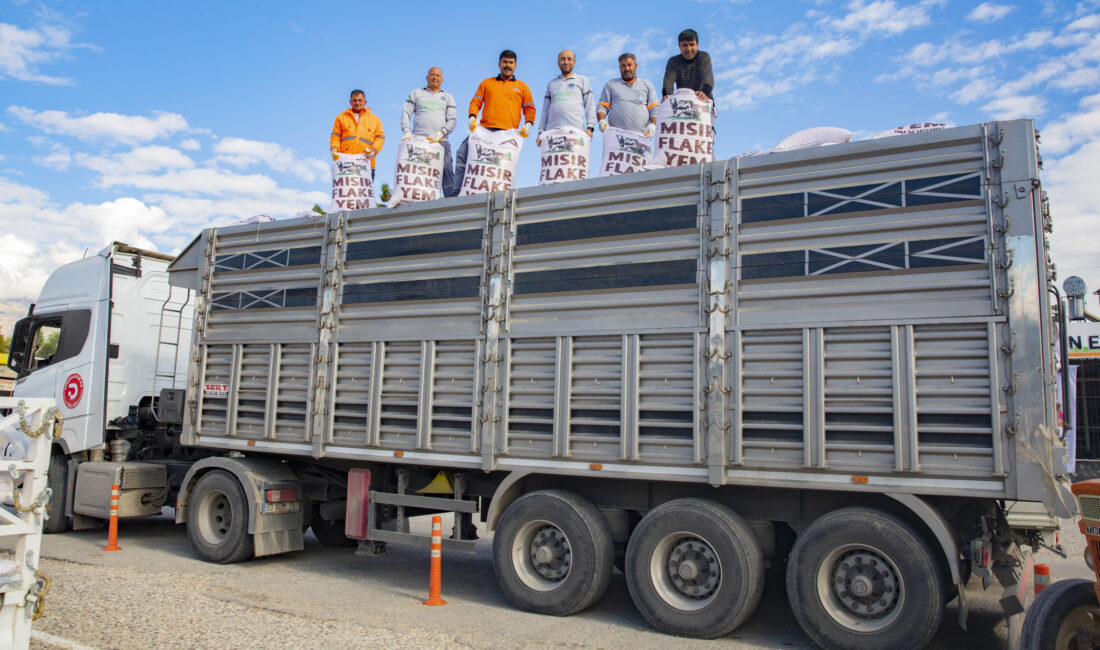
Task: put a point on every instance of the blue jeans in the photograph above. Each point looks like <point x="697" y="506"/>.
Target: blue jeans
<point x="448" y="169"/>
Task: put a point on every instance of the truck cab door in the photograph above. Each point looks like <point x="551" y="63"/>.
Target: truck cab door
<point x="53" y="358"/>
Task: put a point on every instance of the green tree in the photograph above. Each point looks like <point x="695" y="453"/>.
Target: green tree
<point x="384" y="197"/>
<point x="5" y="343"/>
<point x="318" y="209"/>
<point x="48" y="346"/>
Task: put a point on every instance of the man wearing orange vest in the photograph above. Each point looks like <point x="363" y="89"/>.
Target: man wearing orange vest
<point x="357" y="130"/>
<point x="502" y="101"/>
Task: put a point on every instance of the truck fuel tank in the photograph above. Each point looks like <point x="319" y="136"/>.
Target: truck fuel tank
<point x="142" y="488"/>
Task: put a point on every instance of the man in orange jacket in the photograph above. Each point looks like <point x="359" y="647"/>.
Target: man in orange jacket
<point x="502" y="100"/>
<point x="357" y="130"/>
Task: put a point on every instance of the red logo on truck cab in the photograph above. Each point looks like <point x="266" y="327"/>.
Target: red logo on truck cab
<point x="73" y="391"/>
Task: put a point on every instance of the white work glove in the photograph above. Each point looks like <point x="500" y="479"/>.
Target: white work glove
<point x="526" y="130"/>
<point x="650" y="129"/>
<point x="335" y="156"/>
<point x="603" y="124"/>
<point x="437" y="137"/>
<point x="473" y="123"/>
<point x="406" y="136"/>
<point x="369" y="153"/>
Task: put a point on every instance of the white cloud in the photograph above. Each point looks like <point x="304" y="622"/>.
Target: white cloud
<point x="241" y="153"/>
<point x="22" y="51"/>
<point x="1071" y="131"/>
<point x="1015" y="106"/>
<point x="1070" y="183"/>
<point x="126" y="219"/>
<point x="199" y="181"/>
<point x="988" y="12"/>
<point x="12" y="193"/>
<point x="882" y="17"/>
<point x="1088" y="22"/>
<point x="58" y="158"/>
<point x="141" y="160"/>
<point x="125" y="129"/>
<point x="190" y="144"/>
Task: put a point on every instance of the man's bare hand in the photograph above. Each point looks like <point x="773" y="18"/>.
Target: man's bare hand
<point x="702" y="96"/>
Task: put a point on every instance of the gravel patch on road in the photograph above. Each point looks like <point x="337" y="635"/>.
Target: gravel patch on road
<point x="123" y="608"/>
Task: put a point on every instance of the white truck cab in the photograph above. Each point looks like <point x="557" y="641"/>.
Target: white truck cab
<point x="106" y="336"/>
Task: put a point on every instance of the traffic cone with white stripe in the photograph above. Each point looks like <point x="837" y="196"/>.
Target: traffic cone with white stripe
<point x="435" y="583"/>
<point x="1042" y="578"/>
<point x="112" y="527"/>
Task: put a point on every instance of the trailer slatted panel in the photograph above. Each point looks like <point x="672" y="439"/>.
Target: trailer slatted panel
<point x="667" y="413"/>
<point x="452" y="407"/>
<point x="821" y="313"/>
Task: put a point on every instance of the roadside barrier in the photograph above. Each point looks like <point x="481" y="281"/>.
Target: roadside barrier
<point x="112" y="528"/>
<point x="435" y="583"/>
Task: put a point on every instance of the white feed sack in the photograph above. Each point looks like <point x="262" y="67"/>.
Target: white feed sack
<point x="685" y="131"/>
<point x="352" y="187"/>
<point x="419" y="171"/>
<point x="491" y="161"/>
<point x="624" y="152"/>
<point x="564" y="155"/>
<point x="817" y="136"/>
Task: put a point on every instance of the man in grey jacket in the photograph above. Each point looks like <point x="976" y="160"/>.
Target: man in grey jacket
<point x="568" y="100"/>
<point x="432" y="110"/>
<point x="628" y="102"/>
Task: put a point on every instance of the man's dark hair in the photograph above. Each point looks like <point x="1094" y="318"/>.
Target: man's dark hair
<point x="688" y="35"/>
<point x="357" y="92"/>
<point x="627" y="55"/>
<point x="507" y="54"/>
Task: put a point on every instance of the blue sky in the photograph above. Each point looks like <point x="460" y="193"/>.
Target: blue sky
<point x="145" y="122"/>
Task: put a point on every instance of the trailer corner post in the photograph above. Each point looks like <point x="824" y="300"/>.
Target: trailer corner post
<point x="717" y="250"/>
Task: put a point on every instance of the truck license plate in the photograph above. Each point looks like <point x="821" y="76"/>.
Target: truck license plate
<point x="1092" y="530"/>
<point x="279" y="508"/>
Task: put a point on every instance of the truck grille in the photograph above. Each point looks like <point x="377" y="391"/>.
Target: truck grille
<point x="1090" y="507"/>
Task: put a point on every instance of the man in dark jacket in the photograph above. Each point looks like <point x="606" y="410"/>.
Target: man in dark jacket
<point x="689" y="69"/>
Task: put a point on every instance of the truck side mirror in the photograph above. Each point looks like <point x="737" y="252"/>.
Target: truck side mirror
<point x="20" y="339"/>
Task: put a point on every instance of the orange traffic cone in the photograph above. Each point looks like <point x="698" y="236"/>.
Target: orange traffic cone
<point x="112" y="527"/>
<point x="435" y="583"/>
<point x="1042" y="578"/>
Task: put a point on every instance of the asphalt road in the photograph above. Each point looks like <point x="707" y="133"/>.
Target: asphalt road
<point x="154" y="593"/>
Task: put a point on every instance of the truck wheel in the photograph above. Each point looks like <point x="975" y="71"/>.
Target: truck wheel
<point x="694" y="568"/>
<point x="1057" y="613"/>
<point x="862" y="578"/>
<point x="552" y="553"/>
<point x="58" y="481"/>
<point x="329" y="533"/>
<point x="217" y="521"/>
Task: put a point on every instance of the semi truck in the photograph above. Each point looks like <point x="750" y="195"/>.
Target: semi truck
<point x="843" y="360"/>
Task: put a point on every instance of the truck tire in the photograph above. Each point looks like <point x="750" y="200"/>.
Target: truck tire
<point x="58" y="481"/>
<point x="552" y="553"/>
<point x="694" y="568"/>
<point x="217" y="519"/>
<point x="862" y="578"/>
<point x="1057" y="612"/>
<point x="329" y="533"/>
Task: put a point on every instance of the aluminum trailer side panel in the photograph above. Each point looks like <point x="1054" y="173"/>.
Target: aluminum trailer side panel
<point x="790" y="319"/>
